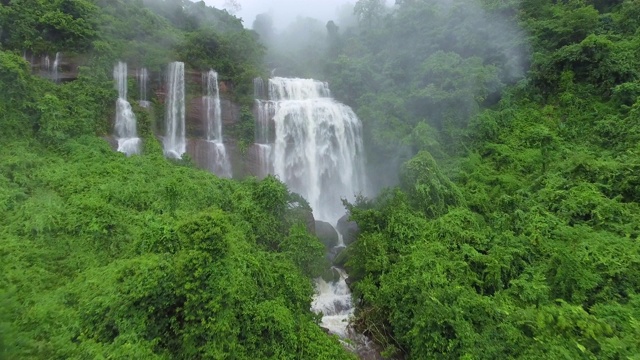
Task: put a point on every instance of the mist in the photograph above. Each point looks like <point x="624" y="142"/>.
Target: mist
<point x="284" y="12"/>
<point x="411" y="70"/>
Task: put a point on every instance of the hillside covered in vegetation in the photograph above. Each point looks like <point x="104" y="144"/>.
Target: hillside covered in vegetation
<point x="108" y="256"/>
<point x="514" y="230"/>
<point x="503" y="137"/>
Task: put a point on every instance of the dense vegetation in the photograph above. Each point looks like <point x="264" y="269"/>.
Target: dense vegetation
<point x="514" y="230"/>
<point x="509" y="130"/>
<point x="104" y="256"/>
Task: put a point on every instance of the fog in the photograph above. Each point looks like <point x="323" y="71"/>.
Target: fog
<point x="411" y="69"/>
<point x="284" y="12"/>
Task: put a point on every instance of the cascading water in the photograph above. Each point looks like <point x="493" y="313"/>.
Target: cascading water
<point x="142" y="76"/>
<point x="316" y="149"/>
<point x="265" y="111"/>
<point x="213" y="113"/>
<point x="333" y="300"/>
<point x="45" y="68"/>
<point x="125" y="126"/>
<point x="56" y="66"/>
<point x="174" y="139"/>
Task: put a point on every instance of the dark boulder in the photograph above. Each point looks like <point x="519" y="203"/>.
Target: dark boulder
<point x="326" y="233"/>
<point x="341" y="256"/>
<point x="348" y="229"/>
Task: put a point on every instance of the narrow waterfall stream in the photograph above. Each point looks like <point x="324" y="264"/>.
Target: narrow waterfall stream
<point x="219" y="161"/>
<point x="56" y="67"/>
<point x="125" y="125"/>
<point x="264" y="115"/>
<point x="175" y="139"/>
<point x="143" y="79"/>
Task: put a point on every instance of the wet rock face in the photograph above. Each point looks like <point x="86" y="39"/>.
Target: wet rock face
<point x="327" y="234"/>
<point x="43" y="65"/>
<point x="310" y="221"/>
<point x="113" y="143"/>
<point x="196" y="122"/>
<point x="230" y="113"/>
<point x="243" y="161"/>
<point x="348" y="229"/>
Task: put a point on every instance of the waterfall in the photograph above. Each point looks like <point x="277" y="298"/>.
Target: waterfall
<point x="45" y="68"/>
<point x="258" y="88"/>
<point x="265" y="110"/>
<point x="125" y="126"/>
<point x="317" y="149"/>
<point x="56" y="66"/>
<point x="174" y="140"/>
<point x="142" y="76"/>
<point x="313" y="144"/>
<point x="333" y="299"/>
<point x="213" y="116"/>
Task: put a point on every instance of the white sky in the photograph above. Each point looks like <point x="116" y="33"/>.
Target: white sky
<point x="284" y="11"/>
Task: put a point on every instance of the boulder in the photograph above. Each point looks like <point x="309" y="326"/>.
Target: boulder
<point x="348" y="229"/>
<point x="326" y="233"/>
<point x="341" y="256"/>
<point x="330" y="275"/>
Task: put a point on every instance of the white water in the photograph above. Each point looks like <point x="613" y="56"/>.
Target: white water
<point x="263" y="159"/>
<point x="258" y="88"/>
<point x="142" y="76"/>
<point x="265" y="110"/>
<point x="317" y="150"/>
<point x="333" y="300"/>
<point x="46" y="63"/>
<point x="174" y="139"/>
<point x="56" y="66"/>
<point x="213" y="114"/>
<point x="125" y="126"/>
<point x="314" y="145"/>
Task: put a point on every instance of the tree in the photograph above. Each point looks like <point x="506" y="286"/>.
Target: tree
<point x="369" y="12"/>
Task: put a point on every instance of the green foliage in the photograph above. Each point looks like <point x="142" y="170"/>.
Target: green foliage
<point x="139" y="258"/>
<point x="17" y="103"/>
<point x="513" y="231"/>
<point x="48" y="26"/>
<point x="305" y="251"/>
<point x="423" y="65"/>
<point x="235" y="55"/>
<point x="244" y="130"/>
<point x="427" y="188"/>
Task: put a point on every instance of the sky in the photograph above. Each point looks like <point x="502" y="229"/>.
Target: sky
<point x="284" y="11"/>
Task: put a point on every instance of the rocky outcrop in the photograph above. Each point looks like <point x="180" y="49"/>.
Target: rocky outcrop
<point x="327" y="234"/>
<point x="243" y="160"/>
<point x="230" y="113"/>
<point x="195" y="120"/>
<point x="196" y="124"/>
<point x="348" y="229"/>
<point x="341" y="257"/>
<point x="42" y="65"/>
